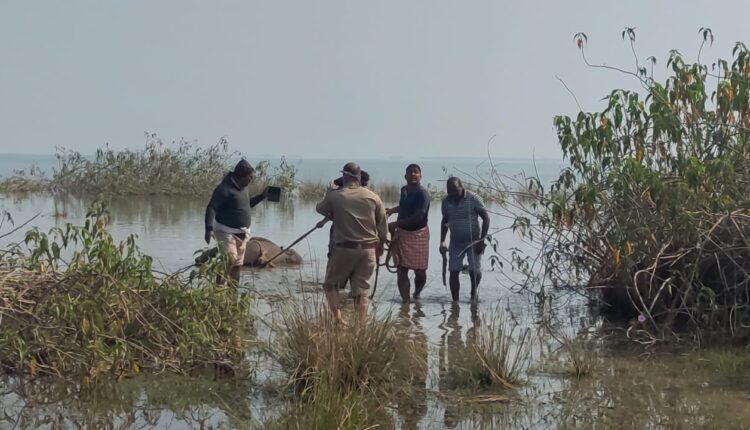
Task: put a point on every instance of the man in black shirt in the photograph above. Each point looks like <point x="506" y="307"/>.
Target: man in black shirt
<point x="228" y="215"/>
<point x="410" y="236"/>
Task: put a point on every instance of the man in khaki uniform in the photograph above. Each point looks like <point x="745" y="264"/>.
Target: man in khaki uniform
<point x="359" y="233"/>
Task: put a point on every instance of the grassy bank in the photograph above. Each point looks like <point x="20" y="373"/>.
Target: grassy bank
<point x="78" y="305"/>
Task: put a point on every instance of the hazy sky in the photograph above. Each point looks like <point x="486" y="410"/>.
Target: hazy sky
<point x="344" y="79"/>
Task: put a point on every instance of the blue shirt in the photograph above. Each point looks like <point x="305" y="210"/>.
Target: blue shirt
<point x="413" y="207"/>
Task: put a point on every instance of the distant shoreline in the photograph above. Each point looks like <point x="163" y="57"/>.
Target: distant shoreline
<point x="384" y="158"/>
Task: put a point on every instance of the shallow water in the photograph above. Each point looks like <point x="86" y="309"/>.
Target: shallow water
<point x="628" y="388"/>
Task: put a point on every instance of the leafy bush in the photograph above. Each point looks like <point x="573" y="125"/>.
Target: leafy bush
<point x="78" y="305"/>
<point x="653" y="207"/>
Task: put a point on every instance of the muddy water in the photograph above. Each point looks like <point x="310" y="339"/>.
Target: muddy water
<point x="627" y="388"/>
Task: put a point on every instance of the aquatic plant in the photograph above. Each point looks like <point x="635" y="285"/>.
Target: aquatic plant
<point x="179" y="168"/>
<point x="78" y="305"/>
<point x="574" y="353"/>
<point x="344" y="374"/>
<point x="497" y="354"/>
<point x="369" y="356"/>
<point x="31" y="180"/>
<point x="389" y="193"/>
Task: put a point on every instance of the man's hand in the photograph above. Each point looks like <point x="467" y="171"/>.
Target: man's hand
<point x="480" y="246"/>
<point x="322" y="222"/>
<point x="207" y="236"/>
<point x="379" y="250"/>
<point x="390" y="211"/>
<point x="392" y="226"/>
<point x="443" y="248"/>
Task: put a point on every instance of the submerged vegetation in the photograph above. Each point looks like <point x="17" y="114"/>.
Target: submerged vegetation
<point x="78" y="305"/>
<point x="496" y="355"/>
<point x="344" y="377"/>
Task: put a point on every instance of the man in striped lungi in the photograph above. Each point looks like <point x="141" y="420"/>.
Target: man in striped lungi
<point x="410" y="235"/>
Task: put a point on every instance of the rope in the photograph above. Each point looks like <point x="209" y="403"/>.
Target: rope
<point x="389" y="266"/>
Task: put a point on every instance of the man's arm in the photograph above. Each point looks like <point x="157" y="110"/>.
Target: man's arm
<point x="485" y="222"/>
<point x="381" y="221"/>
<point x="217" y="199"/>
<point x="324" y="207"/>
<point x="258" y="198"/>
<point x="443" y="227"/>
<point x="397" y="208"/>
<point x="381" y="224"/>
<point x="481" y="211"/>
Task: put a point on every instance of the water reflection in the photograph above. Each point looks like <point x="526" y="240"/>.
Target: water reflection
<point x="412" y="409"/>
<point x="451" y="352"/>
<point x="165" y="401"/>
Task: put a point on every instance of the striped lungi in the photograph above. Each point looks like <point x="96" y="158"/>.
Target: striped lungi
<point x="412" y="249"/>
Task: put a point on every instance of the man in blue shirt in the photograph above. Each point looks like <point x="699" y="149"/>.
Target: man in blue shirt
<point x="410" y="236"/>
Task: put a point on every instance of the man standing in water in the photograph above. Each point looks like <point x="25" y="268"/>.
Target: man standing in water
<point x="461" y="208"/>
<point x="228" y="216"/>
<point x="410" y="236"/>
<point x="359" y="232"/>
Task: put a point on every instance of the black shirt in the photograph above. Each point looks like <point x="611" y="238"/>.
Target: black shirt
<point x="230" y="205"/>
<point x="413" y="207"/>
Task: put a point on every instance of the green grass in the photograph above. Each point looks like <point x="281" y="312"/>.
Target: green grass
<point x="498" y="355"/>
<point x="343" y="377"/>
<point x="103" y="312"/>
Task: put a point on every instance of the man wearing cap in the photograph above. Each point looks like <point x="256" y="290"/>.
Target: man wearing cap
<point x="228" y="216"/>
<point x="359" y="232"/>
<point x="462" y="210"/>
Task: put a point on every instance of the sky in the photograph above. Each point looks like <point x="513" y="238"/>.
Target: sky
<point x="328" y="79"/>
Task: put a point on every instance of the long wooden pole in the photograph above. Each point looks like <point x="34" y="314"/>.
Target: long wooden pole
<point x="320" y="224"/>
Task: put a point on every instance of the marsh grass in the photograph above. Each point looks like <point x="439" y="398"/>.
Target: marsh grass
<point x="31" y="180"/>
<point x="343" y="377"/>
<point x="574" y="356"/>
<point x="498" y="355"/>
<point x="371" y="356"/>
<point x="79" y="306"/>
<point x="313" y="191"/>
<point x="179" y="168"/>
<point x="729" y="364"/>
<point x="389" y="193"/>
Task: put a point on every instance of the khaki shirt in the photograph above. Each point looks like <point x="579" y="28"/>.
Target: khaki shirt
<point x="358" y="214"/>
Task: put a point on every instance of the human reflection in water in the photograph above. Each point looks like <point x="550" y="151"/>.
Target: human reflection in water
<point x="451" y="351"/>
<point x="413" y="408"/>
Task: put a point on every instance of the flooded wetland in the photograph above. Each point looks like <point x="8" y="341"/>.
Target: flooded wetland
<point x="573" y="369"/>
